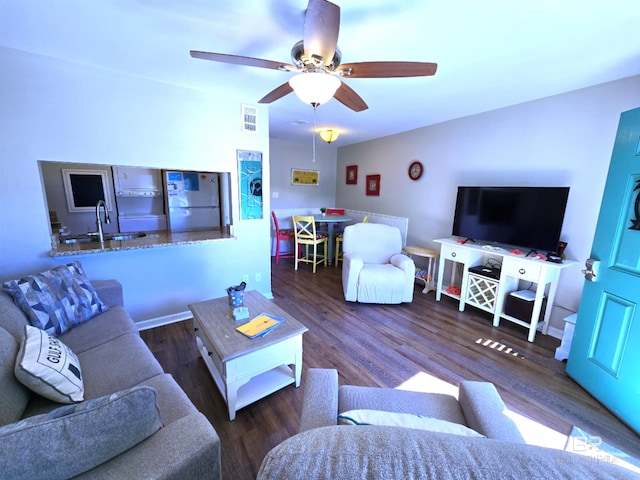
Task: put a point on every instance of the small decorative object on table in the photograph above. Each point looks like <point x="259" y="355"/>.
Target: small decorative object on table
<point x="240" y="313"/>
<point x="236" y="294"/>
<point x="260" y="326"/>
<point x="324" y="211"/>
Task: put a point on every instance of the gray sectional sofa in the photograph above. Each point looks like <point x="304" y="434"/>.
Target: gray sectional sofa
<point x="323" y="450"/>
<point x="135" y="421"/>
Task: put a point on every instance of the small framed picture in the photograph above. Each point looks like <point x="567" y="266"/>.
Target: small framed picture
<point x="304" y="177"/>
<point x="352" y="174"/>
<point x="373" y="185"/>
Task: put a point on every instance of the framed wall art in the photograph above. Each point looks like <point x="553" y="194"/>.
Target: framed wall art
<point x="304" y="177"/>
<point x="250" y="180"/>
<point x="373" y="185"/>
<point x="352" y="174"/>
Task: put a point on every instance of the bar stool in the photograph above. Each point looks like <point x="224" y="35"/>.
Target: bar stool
<point x="339" y="241"/>
<point x="282" y="234"/>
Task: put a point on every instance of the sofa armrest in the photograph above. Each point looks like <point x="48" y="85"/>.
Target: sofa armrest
<point x="484" y="410"/>
<point x="352" y="264"/>
<point x="320" y="399"/>
<point x="109" y="291"/>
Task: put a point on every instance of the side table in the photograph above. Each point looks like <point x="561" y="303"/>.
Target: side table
<point x="427" y="275"/>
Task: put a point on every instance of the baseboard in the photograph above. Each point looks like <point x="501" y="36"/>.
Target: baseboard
<point x="166" y="320"/>
<point x="178" y="317"/>
<point x="555" y="332"/>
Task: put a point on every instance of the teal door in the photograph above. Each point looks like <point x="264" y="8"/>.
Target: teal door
<point x="605" y="351"/>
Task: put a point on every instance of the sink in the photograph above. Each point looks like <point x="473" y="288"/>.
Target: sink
<point x="124" y="236"/>
<point x="78" y="239"/>
<point x="91" y="237"/>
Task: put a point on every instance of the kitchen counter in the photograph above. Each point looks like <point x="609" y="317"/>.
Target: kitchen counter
<point x="151" y="240"/>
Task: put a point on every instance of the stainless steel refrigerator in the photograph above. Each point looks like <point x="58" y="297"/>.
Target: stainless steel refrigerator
<point x="193" y="200"/>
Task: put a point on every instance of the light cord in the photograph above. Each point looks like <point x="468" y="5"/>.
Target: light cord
<point x="315" y="106"/>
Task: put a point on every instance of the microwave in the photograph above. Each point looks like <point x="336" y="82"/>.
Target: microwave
<point x="137" y="182"/>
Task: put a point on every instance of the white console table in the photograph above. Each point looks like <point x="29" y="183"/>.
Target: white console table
<point x="489" y="294"/>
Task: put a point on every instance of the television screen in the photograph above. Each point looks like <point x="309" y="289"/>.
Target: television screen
<point x="521" y="216"/>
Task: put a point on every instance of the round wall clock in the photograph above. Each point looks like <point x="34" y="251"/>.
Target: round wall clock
<point x="415" y="170"/>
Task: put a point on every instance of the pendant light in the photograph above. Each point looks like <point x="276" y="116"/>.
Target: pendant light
<point x="329" y="135"/>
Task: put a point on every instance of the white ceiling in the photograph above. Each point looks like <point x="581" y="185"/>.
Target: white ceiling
<point x="490" y="53"/>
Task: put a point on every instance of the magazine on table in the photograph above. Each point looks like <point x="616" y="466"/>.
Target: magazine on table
<point x="260" y="325"/>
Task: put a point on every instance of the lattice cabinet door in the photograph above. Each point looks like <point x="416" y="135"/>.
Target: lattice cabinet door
<point x="482" y="292"/>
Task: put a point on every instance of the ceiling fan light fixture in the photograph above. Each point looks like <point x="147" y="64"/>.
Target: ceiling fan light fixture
<point x="314" y="88"/>
<point x="329" y="135"/>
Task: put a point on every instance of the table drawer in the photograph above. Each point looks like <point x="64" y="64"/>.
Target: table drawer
<point x="522" y="269"/>
<point x="203" y="342"/>
<point x="455" y="253"/>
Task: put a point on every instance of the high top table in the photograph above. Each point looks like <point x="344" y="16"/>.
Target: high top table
<point x="247" y="369"/>
<point x="330" y="220"/>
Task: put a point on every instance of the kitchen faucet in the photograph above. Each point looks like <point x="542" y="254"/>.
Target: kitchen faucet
<point x="98" y="221"/>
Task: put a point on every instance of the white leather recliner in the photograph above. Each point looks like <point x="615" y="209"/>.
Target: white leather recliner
<point x="374" y="268"/>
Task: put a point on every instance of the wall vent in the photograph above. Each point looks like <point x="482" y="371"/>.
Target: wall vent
<point x="249" y="118"/>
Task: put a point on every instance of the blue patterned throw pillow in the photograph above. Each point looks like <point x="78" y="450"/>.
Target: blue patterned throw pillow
<point x="58" y="299"/>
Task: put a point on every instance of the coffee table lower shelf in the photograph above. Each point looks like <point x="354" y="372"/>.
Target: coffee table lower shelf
<point x="247" y="389"/>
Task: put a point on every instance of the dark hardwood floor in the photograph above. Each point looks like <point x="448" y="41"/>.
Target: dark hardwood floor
<point x="428" y="343"/>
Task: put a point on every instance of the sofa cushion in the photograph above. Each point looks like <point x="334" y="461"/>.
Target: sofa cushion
<point x="102" y="328"/>
<point x="13" y="395"/>
<point x="428" y="404"/>
<point x="124" y="362"/>
<point x="58" y="299"/>
<point x="406" y="420"/>
<point x="48" y="367"/>
<point x="382" y="453"/>
<point x="172" y="401"/>
<point x="76" y="438"/>
<point x="12" y="318"/>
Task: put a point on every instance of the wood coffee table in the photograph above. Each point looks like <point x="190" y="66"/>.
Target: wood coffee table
<point x="247" y="369"/>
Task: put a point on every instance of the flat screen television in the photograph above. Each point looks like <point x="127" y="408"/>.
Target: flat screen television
<point x="528" y="217"/>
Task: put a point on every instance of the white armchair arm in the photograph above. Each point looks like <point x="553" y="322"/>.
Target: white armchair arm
<point x="406" y="264"/>
<point x="351" y="266"/>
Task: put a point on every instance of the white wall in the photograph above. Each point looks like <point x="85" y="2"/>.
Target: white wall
<point x="53" y="110"/>
<point x="300" y="199"/>
<point x="288" y="154"/>
<point x="557" y="141"/>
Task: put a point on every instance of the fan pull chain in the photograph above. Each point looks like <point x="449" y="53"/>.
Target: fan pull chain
<point x="315" y="106"/>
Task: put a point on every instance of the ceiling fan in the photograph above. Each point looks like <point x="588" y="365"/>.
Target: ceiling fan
<point x="317" y="58"/>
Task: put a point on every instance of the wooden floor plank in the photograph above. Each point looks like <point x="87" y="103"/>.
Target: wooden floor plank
<point x="386" y="345"/>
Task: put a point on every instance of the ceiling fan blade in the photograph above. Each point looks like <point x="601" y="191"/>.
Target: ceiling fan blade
<point x="240" y="60"/>
<point x="349" y="98"/>
<point x="387" y="69"/>
<point x="277" y="93"/>
<point x="321" y="28"/>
